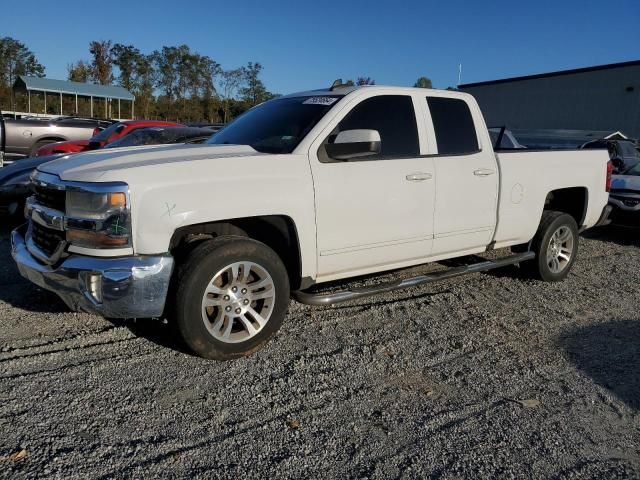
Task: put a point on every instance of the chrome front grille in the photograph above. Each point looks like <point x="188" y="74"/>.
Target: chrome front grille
<point x="49" y="196"/>
<point x="47" y="240"/>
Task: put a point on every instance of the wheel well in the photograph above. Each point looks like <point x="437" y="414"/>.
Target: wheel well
<point x="49" y="139"/>
<point x="572" y="200"/>
<point x="276" y="231"/>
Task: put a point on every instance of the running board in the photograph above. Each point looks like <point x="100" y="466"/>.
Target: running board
<point x="347" y="295"/>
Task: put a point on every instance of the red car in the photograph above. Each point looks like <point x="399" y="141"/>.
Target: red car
<point x="102" y="137"/>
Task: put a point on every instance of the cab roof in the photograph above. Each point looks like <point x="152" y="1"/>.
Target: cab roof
<point x="342" y="91"/>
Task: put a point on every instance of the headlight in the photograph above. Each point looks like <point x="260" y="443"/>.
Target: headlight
<point x="97" y="219"/>
<point x="91" y="205"/>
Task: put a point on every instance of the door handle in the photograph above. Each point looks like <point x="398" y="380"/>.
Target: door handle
<point x="483" y="172"/>
<point x="418" y="177"/>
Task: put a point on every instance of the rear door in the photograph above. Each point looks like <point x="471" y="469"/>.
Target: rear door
<point x="374" y="211"/>
<point x="466" y="176"/>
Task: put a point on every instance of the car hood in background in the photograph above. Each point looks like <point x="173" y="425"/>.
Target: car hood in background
<point x="18" y="167"/>
<point x="104" y="165"/>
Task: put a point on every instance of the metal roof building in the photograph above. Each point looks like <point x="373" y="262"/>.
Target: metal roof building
<point x="604" y="97"/>
<point x="62" y="87"/>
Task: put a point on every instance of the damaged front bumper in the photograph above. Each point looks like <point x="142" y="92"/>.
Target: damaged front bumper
<point x="125" y="287"/>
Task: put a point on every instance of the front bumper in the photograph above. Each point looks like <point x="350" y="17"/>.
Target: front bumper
<point x="125" y="287"/>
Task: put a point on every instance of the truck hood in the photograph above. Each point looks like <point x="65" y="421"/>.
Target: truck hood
<point x="625" y="182"/>
<point x="108" y="165"/>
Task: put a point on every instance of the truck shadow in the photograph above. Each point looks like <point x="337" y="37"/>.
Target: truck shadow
<point x="619" y="234"/>
<point x="163" y="334"/>
<point x="609" y="353"/>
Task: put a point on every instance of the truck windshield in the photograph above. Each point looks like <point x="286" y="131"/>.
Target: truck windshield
<point x="276" y="126"/>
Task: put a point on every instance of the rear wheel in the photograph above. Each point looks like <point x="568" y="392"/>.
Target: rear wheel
<point x="555" y="245"/>
<point x="232" y="297"/>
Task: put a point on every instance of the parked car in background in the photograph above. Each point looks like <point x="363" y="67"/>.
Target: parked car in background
<point x="15" y="184"/>
<point x="300" y="190"/>
<point x="104" y="137"/>
<point x="23" y="137"/>
<point x="162" y="135"/>
<point x="623" y="153"/>
<point x="507" y="140"/>
<point x="625" y="196"/>
<point x="14" y="178"/>
<point x="211" y="126"/>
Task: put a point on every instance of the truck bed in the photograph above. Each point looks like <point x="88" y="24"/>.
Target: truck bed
<point x="526" y="177"/>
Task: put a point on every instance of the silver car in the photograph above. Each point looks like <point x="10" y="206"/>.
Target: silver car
<point x="23" y="137"/>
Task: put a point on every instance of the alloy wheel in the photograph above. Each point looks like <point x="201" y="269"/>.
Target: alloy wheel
<point x="238" y="302"/>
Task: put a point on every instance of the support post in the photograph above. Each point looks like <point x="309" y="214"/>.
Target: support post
<point x="106" y="113"/>
<point x="91" y="106"/>
<point x="133" y="102"/>
<point x="29" y="99"/>
<point x="60" y="103"/>
<point x="45" y="102"/>
<point x="119" y="116"/>
<point x="77" y="112"/>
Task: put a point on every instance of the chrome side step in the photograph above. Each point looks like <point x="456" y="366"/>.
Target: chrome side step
<point x="347" y="295"/>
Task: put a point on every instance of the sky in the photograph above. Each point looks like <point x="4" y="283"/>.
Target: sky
<point x="304" y="45"/>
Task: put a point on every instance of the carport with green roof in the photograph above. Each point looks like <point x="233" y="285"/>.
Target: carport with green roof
<point x="48" y="86"/>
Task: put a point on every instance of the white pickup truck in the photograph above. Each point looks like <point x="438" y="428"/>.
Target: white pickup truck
<point x="300" y="190"/>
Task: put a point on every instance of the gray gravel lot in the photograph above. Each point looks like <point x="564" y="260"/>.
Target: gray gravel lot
<point x="485" y="376"/>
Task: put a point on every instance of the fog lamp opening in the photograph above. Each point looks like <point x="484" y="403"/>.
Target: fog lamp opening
<point x="93" y="285"/>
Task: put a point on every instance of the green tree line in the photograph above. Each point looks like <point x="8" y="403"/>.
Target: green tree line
<point x="172" y="83"/>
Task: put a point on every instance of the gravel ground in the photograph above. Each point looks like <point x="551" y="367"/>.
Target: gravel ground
<point x="486" y="376"/>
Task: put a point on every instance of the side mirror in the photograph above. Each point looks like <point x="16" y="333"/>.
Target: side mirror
<point x="355" y="144"/>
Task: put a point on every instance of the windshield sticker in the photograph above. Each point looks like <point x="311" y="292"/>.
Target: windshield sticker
<point x="320" y="101"/>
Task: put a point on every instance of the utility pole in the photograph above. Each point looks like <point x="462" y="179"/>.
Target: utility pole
<point x="11" y="94"/>
<point x="459" y="75"/>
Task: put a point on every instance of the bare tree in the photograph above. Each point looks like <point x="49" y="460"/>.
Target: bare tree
<point x="230" y="82"/>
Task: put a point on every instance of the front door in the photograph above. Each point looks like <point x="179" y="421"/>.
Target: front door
<point x="376" y="211"/>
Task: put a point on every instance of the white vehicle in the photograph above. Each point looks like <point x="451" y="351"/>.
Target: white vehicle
<point x="300" y="190"/>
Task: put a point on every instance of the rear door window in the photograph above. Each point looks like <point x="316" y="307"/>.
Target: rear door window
<point x="453" y="125"/>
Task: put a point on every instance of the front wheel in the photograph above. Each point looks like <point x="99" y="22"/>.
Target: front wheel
<point x="232" y="297"/>
<point x="555" y="245"/>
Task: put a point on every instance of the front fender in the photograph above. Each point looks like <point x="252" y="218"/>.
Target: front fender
<point x="192" y="193"/>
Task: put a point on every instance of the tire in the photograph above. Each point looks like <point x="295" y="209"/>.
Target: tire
<point x="41" y="143"/>
<point x="235" y="317"/>
<point x="555" y="245"/>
